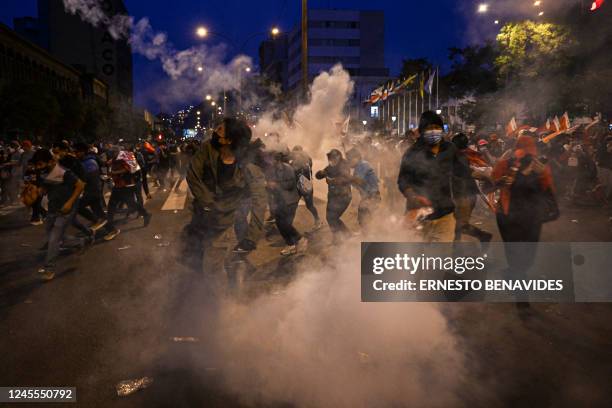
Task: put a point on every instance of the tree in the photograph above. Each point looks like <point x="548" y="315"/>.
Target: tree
<point x="528" y="50"/>
<point x="415" y="66"/>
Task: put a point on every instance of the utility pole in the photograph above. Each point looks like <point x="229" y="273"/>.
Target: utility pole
<point x="304" y="48"/>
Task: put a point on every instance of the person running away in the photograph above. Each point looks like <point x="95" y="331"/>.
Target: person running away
<point x="90" y="205"/>
<point x="425" y="177"/>
<point x="63" y="189"/>
<point x="220" y="177"/>
<point x="364" y="177"/>
<point x="282" y="185"/>
<point x="302" y="164"/>
<point x="338" y="177"/>
<point x="123" y="169"/>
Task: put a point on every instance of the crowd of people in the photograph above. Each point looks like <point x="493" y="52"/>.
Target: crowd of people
<point x="85" y="186"/>
<point x="432" y="177"/>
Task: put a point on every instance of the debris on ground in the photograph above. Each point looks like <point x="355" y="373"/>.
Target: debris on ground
<point x="575" y="221"/>
<point x="163" y="244"/>
<point x="123" y="248"/>
<point x="28" y="301"/>
<point x="363" y="357"/>
<point x="25" y="245"/>
<point x="127" y="387"/>
<point x="185" y="339"/>
<point x="157" y="236"/>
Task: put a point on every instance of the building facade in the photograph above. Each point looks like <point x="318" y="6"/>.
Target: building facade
<point x="90" y="49"/>
<point x="354" y="38"/>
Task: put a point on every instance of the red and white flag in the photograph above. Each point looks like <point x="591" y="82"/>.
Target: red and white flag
<point x="565" y="122"/>
<point x="548" y="124"/>
<point x="596" y="4"/>
<point x="556" y="124"/>
<point x="511" y="127"/>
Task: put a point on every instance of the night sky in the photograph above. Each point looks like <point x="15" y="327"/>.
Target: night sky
<point x="414" y="28"/>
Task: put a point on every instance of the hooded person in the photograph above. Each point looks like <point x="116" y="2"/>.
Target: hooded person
<point x="338" y="177"/>
<point x="221" y="176"/>
<point x="425" y="179"/>
<point x="366" y="181"/>
<point x="526" y="202"/>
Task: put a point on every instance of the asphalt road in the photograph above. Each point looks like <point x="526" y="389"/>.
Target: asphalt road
<point x="112" y="312"/>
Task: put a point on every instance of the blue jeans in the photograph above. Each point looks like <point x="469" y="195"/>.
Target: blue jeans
<point x="55" y="226"/>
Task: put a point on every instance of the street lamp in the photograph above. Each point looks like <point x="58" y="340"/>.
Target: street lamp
<point x="275" y="31"/>
<point x="483" y="8"/>
<point x="200" y="69"/>
<point x="439" y="111"/>
<point x="248" y="69"/>
<point x="393" y="118"/>
<point x="208" y="97"/>
<point x="537" y="3"/>
<point x="541" y="13"/>
<point x="202" y="32"/>
<point x="213" y="103"/>
<point x="496" y="22"/>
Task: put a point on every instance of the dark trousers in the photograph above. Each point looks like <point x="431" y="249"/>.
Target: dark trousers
<point x="197" y="242"/>
<point x="336" y="206"/>
<point x="122" y="195"/>
<point x="309" y="200"/>
<point x="38" y="213"/>
<point x="367" y="206"/>
<point x="90" y="208"/>
<point x="284" y="215"/>
<point x="145" y="181"/>
<point x="463" y="212"/>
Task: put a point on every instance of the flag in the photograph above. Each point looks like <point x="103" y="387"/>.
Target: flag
<point x="422" y="85"/>
<point x="548" y="124"/>
<point x="596" y="4"/>
<point x="556" y="124"/>
<point x="376" y="95"/>
<point x="430" y="82"/>
<point x="565" y="122"/>
<point x="391" y="88"/>
<point x="511" y="127"/>
<point x="406" y="82"/>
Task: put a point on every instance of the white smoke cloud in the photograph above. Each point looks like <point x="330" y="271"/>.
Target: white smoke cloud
<point x="182" y="66"/>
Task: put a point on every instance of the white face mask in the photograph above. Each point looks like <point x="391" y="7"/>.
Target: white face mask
<point x="433" y="137"/>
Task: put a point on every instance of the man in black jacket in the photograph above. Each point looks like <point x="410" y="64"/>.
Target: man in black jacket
<point x="339" y="196"/>
<point x="425" y="179"/>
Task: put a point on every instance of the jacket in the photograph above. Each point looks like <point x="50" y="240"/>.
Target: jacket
<point x="220" y="204"/>
<point x="286" y="191"/>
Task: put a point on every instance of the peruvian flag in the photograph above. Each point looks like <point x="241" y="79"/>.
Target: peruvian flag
<point x="596" y="4"/>
<point x="556" y="124"/>
<point x="511" y="127"/>
<point x="565" y="122"/>
<point x="548" y="125"/>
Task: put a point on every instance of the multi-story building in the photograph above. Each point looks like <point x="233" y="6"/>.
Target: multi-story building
<point x="274" y="60"/>
<point x="354" y="38"/>
<point x="89" y="49"/>
<point x="26" y="62"/>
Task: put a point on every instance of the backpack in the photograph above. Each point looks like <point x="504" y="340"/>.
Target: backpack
<point x="304" y="185"/>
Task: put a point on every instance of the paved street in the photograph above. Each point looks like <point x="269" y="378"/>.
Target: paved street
<point x="112" y="311"/>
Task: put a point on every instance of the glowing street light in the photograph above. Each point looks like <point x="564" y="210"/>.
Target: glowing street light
<point x="213" y="103"/>
<point x="496" y="22"/>
<point x="541" y="13"/>
<point x="483" y="8"/>
<point x="275" y="31"/>
<point x="198" y="112"/>
<point x="208" y="97"/>
<point x="248" y="69"/>
<point x="439" y="111"/>
<point x="201" y="32"/>
<point x="200" y="69"/>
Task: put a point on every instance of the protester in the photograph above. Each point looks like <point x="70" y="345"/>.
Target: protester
<point x="123" y="172"/>
<point x="425" y="180"/>
<point x="220" y="176"/>
<point x="302" y="164"/>
<point x="62" y="188"/>
<point x="364" y="178"/>
<point x="338" y="177"/>
<point x="90" y="205"/>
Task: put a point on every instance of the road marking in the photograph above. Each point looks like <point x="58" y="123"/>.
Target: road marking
<point x="10" y="209"/>
<point x="177" y="198"/>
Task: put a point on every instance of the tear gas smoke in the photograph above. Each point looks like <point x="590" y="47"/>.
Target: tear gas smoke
<point x="186" y="81"/>
<point x="317" y="345"/>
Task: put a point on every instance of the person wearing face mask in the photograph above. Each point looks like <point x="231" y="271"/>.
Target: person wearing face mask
<point x="221" y="176"/>
<point x="425" y="177"/>
<point x="63" y="189"/>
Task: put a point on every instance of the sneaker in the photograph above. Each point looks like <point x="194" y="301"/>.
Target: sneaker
<point x="95" y="227"/>
<point x="289" y="250"/>
<point x="46" y="273"/>
<point x="244" y="247"/>
<point x="37" y="222"/>
<point x="111" y="235"/>
<point x="147" y="219"/>
<point x="302" y="246"/>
